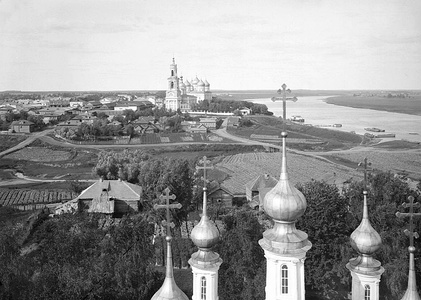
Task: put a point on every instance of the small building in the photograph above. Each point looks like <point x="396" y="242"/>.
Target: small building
<point x="257" y="188"/>
<point x="198" y="129"/>
<point x="22" y="126"/>
<point x="114" y="197"/>
<point x="245" y="111"/>
<point x="233" y="121"/>
<point x="221" y="195"/>
<point x="210" y="123"/>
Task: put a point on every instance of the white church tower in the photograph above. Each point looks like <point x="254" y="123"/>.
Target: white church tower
<point x="205" y="262"/>
<point x="285" y="246"/>
<point x="173" y="94"/>
<point x="365" y="270"/>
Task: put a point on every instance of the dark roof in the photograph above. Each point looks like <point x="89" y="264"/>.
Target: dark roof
<point x="22" y="123"/>
<point x="262" y="181"/>
<point x="116" y="189"/>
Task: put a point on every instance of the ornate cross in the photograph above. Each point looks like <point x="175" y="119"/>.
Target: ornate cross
<point x="167" y="197"/>
<point x="411" y="233"/>
<point x="366" y="167"/>
<point x="205" y="162"/>
<point x="284" y="98"/>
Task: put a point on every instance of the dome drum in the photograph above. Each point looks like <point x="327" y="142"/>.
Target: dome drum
<point x="205" y="259"/>
<point x="285" y="239"/>
<point x="366" y="265"/>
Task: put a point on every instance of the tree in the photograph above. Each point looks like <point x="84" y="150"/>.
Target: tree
<point x="242" y="272"/>
<point x="326" y="223"/>
<point x="79" y="258"/>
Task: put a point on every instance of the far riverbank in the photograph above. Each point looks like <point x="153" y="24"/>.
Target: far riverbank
<point x="410" y="106"/>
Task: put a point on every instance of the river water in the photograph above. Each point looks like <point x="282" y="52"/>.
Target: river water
<point x="316" y="111"/>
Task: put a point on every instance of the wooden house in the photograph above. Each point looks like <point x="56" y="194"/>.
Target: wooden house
<point x="22" y="126"/>
<point x="114" y="197"/>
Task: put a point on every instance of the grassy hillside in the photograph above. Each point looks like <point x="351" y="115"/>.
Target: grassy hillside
<point x="300" y="136"/>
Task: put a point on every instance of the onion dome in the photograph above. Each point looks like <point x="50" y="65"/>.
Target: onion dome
<point x="284" y="204"/>
<point x="205" y="234"/>
<point x="364" y="239"/>
<point x="207" y="83"/>
<point x="200" y="83"/>
<point x="169" y="289"/>
<point x="182" y="85"/>
<point x="195" y="81"/>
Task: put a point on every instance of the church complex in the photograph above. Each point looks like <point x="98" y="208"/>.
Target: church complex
<point x="183" y="95"/>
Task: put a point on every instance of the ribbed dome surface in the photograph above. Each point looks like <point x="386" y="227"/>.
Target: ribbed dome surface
<point x="284" y="202"/>
<point x="201" y="83"/>
<point x="207" y="83"/>
<point x="364" y="239"/>
<point x="205" y="234"/>
<point x="188" y="83"/>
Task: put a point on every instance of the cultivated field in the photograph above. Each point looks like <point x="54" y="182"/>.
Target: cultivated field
<point x="245" y="167"/>
<point x="40" y="154"/>
<point x="395" y="161"/>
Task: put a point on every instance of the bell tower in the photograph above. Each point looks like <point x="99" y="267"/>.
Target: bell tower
<point x="173" y="94"/>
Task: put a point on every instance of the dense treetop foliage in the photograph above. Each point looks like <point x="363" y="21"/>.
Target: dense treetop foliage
<point x="219" y="105"/>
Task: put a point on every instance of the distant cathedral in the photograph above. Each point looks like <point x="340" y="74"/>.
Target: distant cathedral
<point x="183" y="95"/>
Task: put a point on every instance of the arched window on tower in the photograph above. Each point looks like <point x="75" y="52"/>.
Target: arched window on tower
<point x="284" y="279"/>
<point x="172" y="84"/>
<point x="203" y="288"/>
<point x="367" y="295"/>
<point x="172" y="72"/>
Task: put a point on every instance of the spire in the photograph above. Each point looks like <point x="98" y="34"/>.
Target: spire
<point x="285" y="204"/>
<point x="205" y="262"/>
<point x="284" y="245"/>
<point x="366" y="241"/>
<point x="169" y="289"/>
<point x="365" y="270"/>
<point x="205" y="234"/>
<point x="411" y="292"/>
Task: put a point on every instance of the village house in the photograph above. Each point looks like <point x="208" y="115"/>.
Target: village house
<point x="245" y="111"/>
<point x="132" y="105"/>
<point x="22" y="126"/>
<point x="114" y="197"/>
<point x="210" y="123"/>
<point x="257" y="188"/>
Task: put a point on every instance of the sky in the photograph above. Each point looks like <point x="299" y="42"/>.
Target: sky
<point x="79" y="45"/>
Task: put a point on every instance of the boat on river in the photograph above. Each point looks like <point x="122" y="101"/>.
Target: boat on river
<point x="374" y="129"/>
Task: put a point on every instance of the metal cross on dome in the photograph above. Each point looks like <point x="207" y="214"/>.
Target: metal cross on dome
<point x="366" y="168"/>
<point x="206" y="166"/>
<point x="411" y="233"/>
<point x="284" y="99"/>
<point x="167" y="197"/>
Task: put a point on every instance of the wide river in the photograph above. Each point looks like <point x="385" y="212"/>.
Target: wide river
<point x="316" y="111"/>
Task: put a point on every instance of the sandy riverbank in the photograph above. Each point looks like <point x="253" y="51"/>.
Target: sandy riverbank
<point x="410" y="106"/>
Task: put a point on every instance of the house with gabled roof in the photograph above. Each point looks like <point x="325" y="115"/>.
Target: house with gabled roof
<point x="114" y="197"/>
<point x="22" y="126"/>
<point x="257" y="188"/>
